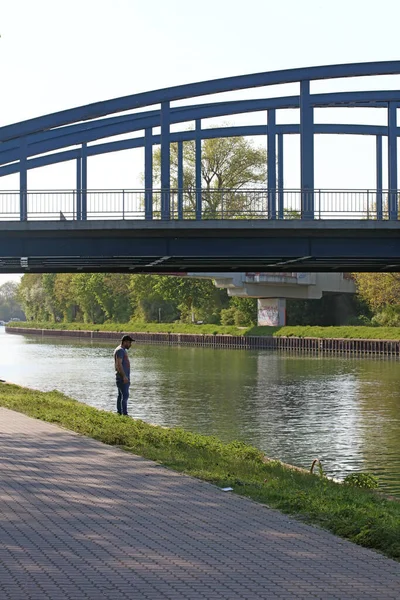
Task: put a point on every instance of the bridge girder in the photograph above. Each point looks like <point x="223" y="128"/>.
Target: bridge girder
<point x="218" y="246"/>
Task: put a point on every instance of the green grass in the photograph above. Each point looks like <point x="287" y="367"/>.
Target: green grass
<point x="349" y="332"/>
<point x="136" y="327"/>
<point x="362" y="516"/>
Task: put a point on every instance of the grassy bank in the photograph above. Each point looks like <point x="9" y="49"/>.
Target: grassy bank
<point x="348" y="332"/>
<point x="359" y="515"/>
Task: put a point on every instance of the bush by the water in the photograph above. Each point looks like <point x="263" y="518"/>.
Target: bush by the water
<point x="362" y="480"/>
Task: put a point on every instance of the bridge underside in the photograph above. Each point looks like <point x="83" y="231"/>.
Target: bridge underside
<point x="218" y="246"/>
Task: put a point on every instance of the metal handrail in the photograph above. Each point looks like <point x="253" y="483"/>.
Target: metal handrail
<point x="224" y="204"/>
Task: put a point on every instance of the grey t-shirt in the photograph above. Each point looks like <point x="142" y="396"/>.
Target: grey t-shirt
<point x="122" y="353"/>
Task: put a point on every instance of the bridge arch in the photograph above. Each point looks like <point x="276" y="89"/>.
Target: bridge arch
<point x="68" y="135"/>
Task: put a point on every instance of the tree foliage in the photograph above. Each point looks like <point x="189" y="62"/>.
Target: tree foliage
<point x="228" y="165"/>
<point x="378" y="290"/>
<point x="9" y="305"/>
<point x="119" y="298"/>
<point x="32" y="296"/>
<point x="169" y="297"/>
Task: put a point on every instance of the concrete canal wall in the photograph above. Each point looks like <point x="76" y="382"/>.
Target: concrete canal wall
<point x="330" y="345"/>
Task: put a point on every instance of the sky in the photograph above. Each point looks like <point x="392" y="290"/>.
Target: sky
<point x="59" y="54"/>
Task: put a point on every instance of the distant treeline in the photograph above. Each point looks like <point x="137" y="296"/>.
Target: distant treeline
<point x="121" y="298"/>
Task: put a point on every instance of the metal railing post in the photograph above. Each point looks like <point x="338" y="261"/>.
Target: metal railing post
<point x="319" y="204"/>
<point x="165" y="161"/>
<point x="148" y="174"/>
<point x="84" y="183"/>
<point x="23" y="181"/>
<point x="199" y="199"/>
<point x="306" y="151"/>
<point x="392" y="161"/>
<point x="180" y="180"/>
<point x="281" y="200"/>
<point x="271" y="164"/>
<point x="379" y="211"/>
<point x="79" y="188"/>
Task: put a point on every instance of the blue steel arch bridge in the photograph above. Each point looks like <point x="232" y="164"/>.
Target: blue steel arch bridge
<point x="156" y="230"/>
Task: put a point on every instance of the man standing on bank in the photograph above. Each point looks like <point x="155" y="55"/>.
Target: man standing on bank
<point x="122" y="372"/>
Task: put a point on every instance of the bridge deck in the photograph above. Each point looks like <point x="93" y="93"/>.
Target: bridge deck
<point x="181" y="246"/>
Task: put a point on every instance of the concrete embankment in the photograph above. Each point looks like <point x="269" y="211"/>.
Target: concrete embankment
<point x="331" y="345"/>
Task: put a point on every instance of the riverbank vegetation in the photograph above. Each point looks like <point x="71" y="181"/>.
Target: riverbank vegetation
<point x="9" y="305"/>
<point x="345" y="332"/>
<point x="360" y="515"/>
<point x="119" y="298"/>
<point x="106" y="298"/>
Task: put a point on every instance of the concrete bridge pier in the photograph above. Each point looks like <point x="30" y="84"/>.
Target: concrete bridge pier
<point x="271" y="311"/>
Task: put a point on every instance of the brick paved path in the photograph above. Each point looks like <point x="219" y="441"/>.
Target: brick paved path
<point x="81" y="520"/>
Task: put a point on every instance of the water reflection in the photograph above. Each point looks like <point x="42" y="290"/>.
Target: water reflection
<point x="344" y="411"/>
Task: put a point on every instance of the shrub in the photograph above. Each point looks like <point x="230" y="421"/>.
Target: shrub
<point x="361" y="480"/>
<point x="241" y="318"/>
<point x="388" y="316"/>
<point x="360" y="320"/>
<point x="228" y="316"/>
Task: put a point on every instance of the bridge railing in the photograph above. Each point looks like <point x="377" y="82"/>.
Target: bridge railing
<point x="199" y="204"/>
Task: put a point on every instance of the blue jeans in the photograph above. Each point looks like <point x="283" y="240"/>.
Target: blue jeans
<point x="122" y="398"/>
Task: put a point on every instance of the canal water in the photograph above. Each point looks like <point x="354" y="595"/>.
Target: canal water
<point x="295" y="407"/>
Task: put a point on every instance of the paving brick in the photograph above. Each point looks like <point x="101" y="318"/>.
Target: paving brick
<point x="82" y="520"/>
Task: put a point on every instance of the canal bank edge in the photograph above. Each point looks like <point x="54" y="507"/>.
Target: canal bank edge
<point x="304" y="344"/>
<point x="358" y="515"/>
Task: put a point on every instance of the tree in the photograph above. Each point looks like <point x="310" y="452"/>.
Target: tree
<point x="32" y="296"/>
<point x="112" y="293"/>
<point x="187" y="298"/>
<point x="64" y="293"/>
<point x="85" y="286"/>
<point x="245" y="310"/>
<point x="378" y="290"/>
<point x="50" y="301"/>
<point x="8" y="291"/>
<point x="9" y="306"/>
<point x="147" y="302"/>
<point x="197" y="299"/>
<point x="228" y="165"/>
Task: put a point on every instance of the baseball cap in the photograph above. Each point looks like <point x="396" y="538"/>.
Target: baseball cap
<point x="127" y="338"/>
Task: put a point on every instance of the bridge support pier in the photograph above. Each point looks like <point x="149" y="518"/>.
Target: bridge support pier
<point x="271" y="312"/>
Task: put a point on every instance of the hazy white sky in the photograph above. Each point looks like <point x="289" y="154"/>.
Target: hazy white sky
<point x="59" y="54"/>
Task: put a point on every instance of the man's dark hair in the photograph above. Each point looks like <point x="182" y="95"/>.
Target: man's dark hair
<point x="127" y="338"/>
